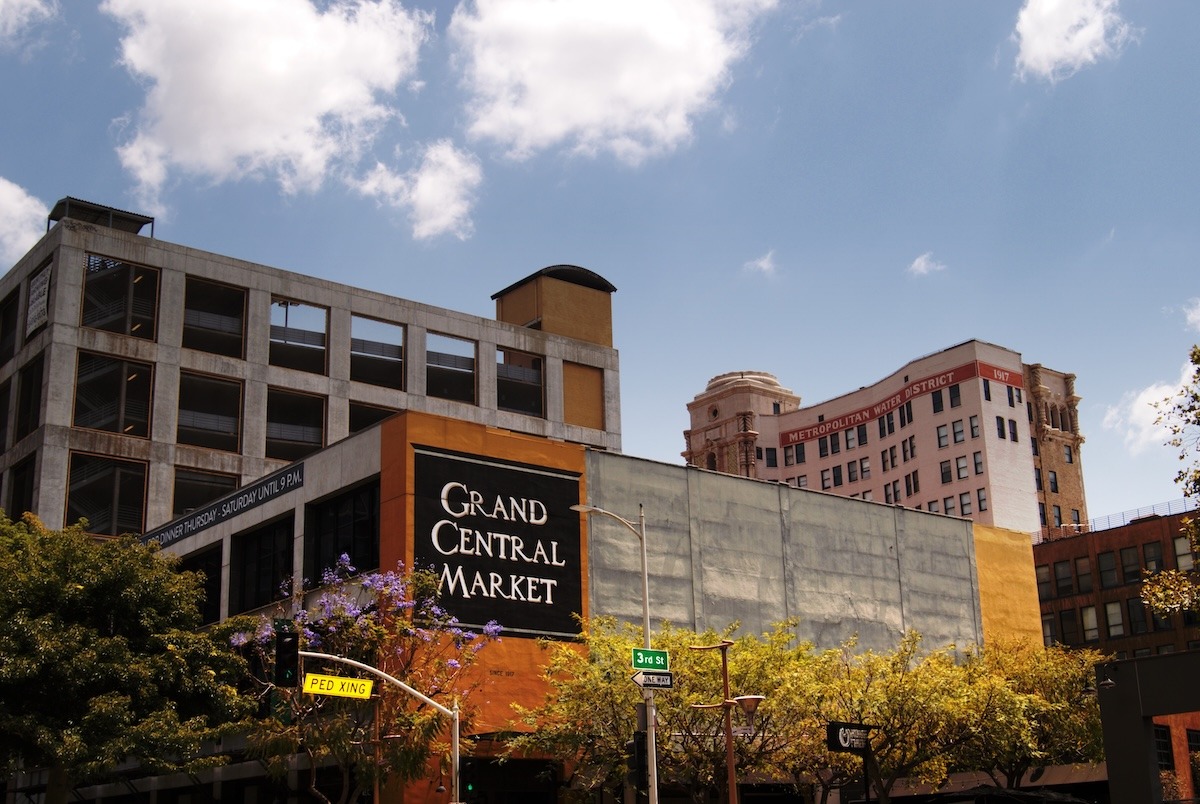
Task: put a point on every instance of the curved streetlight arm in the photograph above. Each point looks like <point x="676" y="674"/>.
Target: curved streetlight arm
<point x="443" y="709"/>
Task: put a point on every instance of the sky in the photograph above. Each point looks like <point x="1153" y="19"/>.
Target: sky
<point x="820" y="190"/>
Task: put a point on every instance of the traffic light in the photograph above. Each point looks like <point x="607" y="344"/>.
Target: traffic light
<point x="287" y="658"/>
<point x="637" y="772"/>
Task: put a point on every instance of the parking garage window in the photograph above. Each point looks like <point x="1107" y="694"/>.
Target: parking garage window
<point x="450" y="368"/>
<point x="214" y="317"/>
<point x="112" y="395"/>
<point x="295" y="424"/>
<point x="195" y="489"/>
<point x="120" y="297"/>
<point x="210" y="412"/>
<point x="520" y="385"/>
<point x="109" y="493"/>
<point x="377" y="352"/>
<point x="298" y="335"/>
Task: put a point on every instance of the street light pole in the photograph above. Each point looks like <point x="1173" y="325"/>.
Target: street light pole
<point x="748" y="703"/>
<point x="639" y="530"/>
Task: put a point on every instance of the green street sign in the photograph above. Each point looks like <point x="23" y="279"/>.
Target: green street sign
<point x="647" y="659"/>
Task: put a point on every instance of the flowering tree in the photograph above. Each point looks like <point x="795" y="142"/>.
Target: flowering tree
<point x="392" y="621"/>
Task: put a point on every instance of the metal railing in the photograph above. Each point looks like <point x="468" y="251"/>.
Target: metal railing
<point x="1068" y="529"/>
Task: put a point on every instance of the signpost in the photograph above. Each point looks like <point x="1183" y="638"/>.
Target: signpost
<point x="649" y="680"/>
<point x="852" y="738"/>
<point x="649" y="659"/>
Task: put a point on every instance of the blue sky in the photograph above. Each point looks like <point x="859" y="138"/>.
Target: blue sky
<point x="819" y="190"/>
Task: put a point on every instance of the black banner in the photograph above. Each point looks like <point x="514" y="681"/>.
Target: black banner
<point x="851" y="738"/>
<point x="503" y="539"/>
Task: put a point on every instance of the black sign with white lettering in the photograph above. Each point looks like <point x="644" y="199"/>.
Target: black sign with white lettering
<point x="503" y="539"/>
<point x="245" y="498"/>
<point x="852" y="738"/>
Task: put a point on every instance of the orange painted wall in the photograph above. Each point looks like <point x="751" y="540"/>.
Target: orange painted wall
<point x="510" y="670"/>
<point x="1008" y="599"/>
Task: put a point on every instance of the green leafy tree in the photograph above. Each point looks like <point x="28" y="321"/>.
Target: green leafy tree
<point x="1174" y="590"/>
<point x="1046" y="711"/>
<point x="100" y="662"/>
<point x="923" y="707"/>
<point x="391" y="621"/>
<point x="590" y="711"/>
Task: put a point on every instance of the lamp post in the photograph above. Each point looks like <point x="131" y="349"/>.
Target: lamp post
<point x="639" y="530"/>
<point x="748" y="704"/>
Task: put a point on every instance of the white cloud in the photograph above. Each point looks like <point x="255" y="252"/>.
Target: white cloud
<point x="273" y="88"/>
<point x="625" y="77"/>
<point x="439" y="194"/>
<point x="1134" y="417"/>
<point x="22" y="222"/>
<point x="1057" y="38"/>
<point x="763" y="265"/>
<point x="925" y="264"/>
<point x="1191" y="312"/>
<point x="16" y="16"/>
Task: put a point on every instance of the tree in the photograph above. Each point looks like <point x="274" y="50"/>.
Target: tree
<point x="391" y="621"/>
<point x="100" y="662"/>
<point x="1174" y="590"/>
<point x="1046" y="712"/>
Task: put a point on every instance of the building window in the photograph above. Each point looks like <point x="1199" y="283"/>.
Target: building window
<point x="974" y="424"/>
<point x="943" y="436"/>
<point x="1062" y="578"/>
<point x="823" y="446"/>
<point x="109" y="493"/>
<point x="298" y="335"/>
<point x="345" y="525"/>
<point x="948" y="505"/>
<point x="1091" y="627"/>
<point x="978" y="459"/>
<point x="1074" y="516"/>
<point x="295" y="424"/>
<point x="1042" y="514"/>
<point x="851" y="443"/>
<point x="1053" y="481"/>
<point x="1184" y="561"/>
<point x="1069" y="627"/>
<point x="1000" y="431"/>
<point x="1116" y="622"/>
<point x="937" y="401"/>
<point x="1083" y="573"/>
<point x="906" y="414"/>
<point x="1049" y="637"/>
<point x="214" y="318"/>
<point x="826" y="479"/>
<point x="862" y="435"/>
<point x="1106" y="564"/>
<point x="29" y="399"/>
<point x="1045" y="586"/>
<point x="10" y="310"/>
<point x="1131" y="566"/>
<point x="887" y="425"/>
<point x="1012" y="430"/>
<point x="955" y="396"/>
<point x="960" y="465"/>
<point x="799" y="454"/>
<point x="218" y="422"/>
<point x="912" y="484"/>
<point x="1057" y="509"/>
<point x="987" y="389"/>
<point x="119" y="297"/>
<point x="260" y="566"/>
<point x="959" y="434"/>
<point x="21" y="482"/>
<point x="520" y="386"/>
<point x="1152" y="552"/>
<point x="376" y="352"/>
<point x="1068" y="453"/>
<point x="450" y="368"/>
<point x="933" y="506"/>
<point x="207" y="562"/>
<point x="852" y="471"/>
<point x="772" y="458"/>
<point x="964" y="503"/>
<point x="5" y="400"/>
<point x="802" y="482"/>
<point x="835" y="443"/>
<point x="837" y="475"/>
<point x="112" y="395"/>
<point x="195" y="489"/>
<point x="1037" y="479"/>
<point x="1011" y="402"/>
<point x="947" y="473"/>
<point x="363" y="416"/>
<point x="1162" y="748"/>
<point x="1137" y="616"/>
<point x="981" y="497"/>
